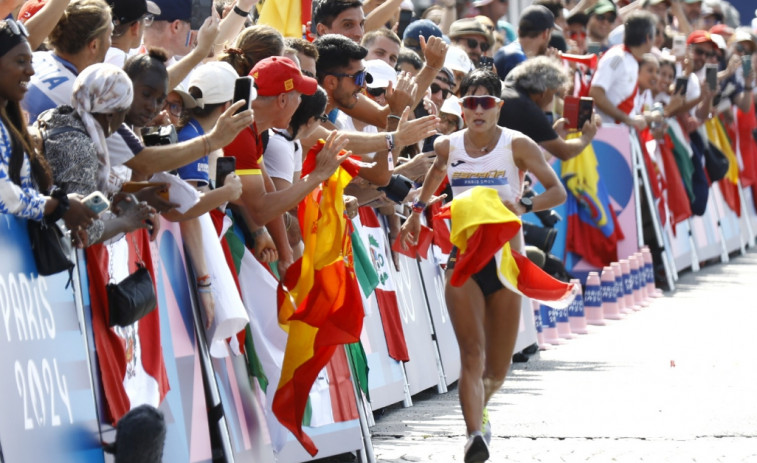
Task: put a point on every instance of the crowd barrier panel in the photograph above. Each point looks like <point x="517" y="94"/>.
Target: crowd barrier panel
<point x="49" y="409"/>
<point x="386" y="376"/>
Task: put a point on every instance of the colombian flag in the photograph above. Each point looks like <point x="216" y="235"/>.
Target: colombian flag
<point x="319" y="300"/>
<point x="729" y="185"/>
<point x="286" y="16"/>
<point x="593" y="230"/>
<point x="481" y="229"/>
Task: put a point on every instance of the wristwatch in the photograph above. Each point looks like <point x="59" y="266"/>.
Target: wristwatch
<point x="527" y="203"/>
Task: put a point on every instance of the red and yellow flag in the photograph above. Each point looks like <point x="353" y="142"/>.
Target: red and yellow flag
<point x="481" y="229"/>
<point x="319" y="299"/>
<point x="729" y="185"/>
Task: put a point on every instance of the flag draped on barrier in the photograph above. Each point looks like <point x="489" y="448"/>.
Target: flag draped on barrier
<point x="729" y="185"/>
<point x="128" y="353"/>
<point x="677" y="197"/>
<point x="481" y="229"/>
<point x="319" y="299"/>
<point x="593" y="230"/>
<point x="746" y="124"/>
<point x="386" y="295"/>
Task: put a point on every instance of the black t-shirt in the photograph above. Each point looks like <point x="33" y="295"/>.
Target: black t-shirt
<point x="520" y="113"/>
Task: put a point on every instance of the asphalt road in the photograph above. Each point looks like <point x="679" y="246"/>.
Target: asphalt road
<point x="674" y="382"/>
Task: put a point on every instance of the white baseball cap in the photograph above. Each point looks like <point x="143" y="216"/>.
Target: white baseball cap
<point x="215" y="80"/>
<point x="381" y="72"/>
<point x="457" y="60"/>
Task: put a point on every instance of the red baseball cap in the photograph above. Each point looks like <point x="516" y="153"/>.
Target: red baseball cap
<point x="721" y="29"/>
<point x="700" y="36"/>
<point x="30" y="8"/>
<point x="276" y="75"/>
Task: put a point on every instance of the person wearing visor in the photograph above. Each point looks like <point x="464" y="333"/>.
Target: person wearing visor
<point x="485" y="315"/>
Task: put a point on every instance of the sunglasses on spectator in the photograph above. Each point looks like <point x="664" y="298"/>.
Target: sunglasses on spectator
<point x="577" y="35"/>
<point x="485" y="101"/>
<point x="174" y="109"/>
<point x="375" y="92"/>
<point x="703" y="52"/>
<point x="322" y="118"/>
<point x="17" y="28"/>
<point x="436" y="88"/>
<point x="610" y="18"/>
<point x="473" y="43"/>
<point x="360" y="77"/>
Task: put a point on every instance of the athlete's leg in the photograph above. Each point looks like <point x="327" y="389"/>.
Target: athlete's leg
<point x="466" y="309"/>
<point x="501" y="324"/>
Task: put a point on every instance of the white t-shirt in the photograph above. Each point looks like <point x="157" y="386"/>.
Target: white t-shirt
<point x="617" y="73"/>
<point x="345" y="122"/>
<point x="282" y="157"/>
<point x="116" y="57"/>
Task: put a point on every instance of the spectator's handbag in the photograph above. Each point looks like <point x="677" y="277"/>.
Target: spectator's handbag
<point x="50" y="246"/>
<point x="133" y="297"/>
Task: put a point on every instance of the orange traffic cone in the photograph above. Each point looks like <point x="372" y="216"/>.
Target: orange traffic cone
<point x="609" y="300"/>
<point x="593" y="300"/>
<point x="576" y="315"/>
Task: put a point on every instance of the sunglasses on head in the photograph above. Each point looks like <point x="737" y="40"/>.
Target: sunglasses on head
<point x="703" y="52"/>
<point x="473" y="43"/>
<point x="436" y="88"/>
<point x="17" y="28"/>
<point x="361" y="77"/>
<point x="375" y="92"/>
<point x="322" y="118"/>
<point x="485" y="101"/>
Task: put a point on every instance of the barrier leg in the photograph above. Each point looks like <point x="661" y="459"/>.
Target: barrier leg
<point x="366" y="454"/>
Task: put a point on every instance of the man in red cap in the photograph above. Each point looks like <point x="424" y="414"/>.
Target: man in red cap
<point x="701" y="50"/>
<point x="279" y="84"/>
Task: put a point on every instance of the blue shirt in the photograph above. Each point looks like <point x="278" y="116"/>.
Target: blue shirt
<point x="51" y="85"/>
<point x="196" y="171"/>
<point x="23" y="201"/>
<point x="507" y="58"/>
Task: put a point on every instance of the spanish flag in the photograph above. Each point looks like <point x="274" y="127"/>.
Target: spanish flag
<point x="729" y="185"/>
<point x="286" y="16"/>
<point x="481" y="229"/>
<point x="319" y="299"/>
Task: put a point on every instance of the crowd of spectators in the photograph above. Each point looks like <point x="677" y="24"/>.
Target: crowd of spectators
<point x="125" y="98"/>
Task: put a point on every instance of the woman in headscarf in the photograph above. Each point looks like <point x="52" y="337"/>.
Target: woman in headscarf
<point x="24" y="173"/>
<point x="74" y="142"/>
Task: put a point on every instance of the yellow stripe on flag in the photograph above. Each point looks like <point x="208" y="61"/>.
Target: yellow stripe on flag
<point x="283" y="15"/>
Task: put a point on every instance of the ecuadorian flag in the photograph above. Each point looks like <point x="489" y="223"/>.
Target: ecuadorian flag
<point x="593" y="230"/>
<point x="319" y="299"/>
<point x="481" y="229"/>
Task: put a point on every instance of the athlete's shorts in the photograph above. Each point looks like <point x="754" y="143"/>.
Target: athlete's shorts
<point x="486" y="279"/>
